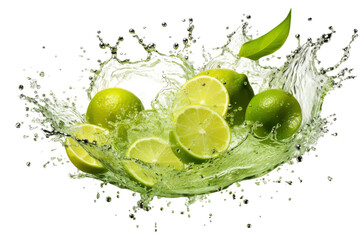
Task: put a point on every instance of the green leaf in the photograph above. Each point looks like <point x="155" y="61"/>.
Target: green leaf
<point x="268" y="43"/>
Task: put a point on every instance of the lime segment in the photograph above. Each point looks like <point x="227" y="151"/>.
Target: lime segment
<point x="199" y="133"/>
<point x="78" y="155"/>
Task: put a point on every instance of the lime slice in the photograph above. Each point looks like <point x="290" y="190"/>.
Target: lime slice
<point x="152" y="150"/>
<point x="78" y="155"/>
<point x="206" y="91"/>
<point x="141" y="173"/>
<point x="199" y="133"/>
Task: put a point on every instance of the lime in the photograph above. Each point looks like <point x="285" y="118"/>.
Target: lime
<point x="152" y="150"/>
<point x="112" y="104"/>
<point x="239" y="89"/>
<point x="206" y="91"/>
<point x="78" y="155"/>
<point x="274" y="108"/>
<point x="199" y="133"/>
<point x="141" y="173"/>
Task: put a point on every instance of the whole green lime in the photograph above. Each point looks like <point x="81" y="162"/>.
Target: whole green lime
<point x="274" y="108"/>
<point x="239" y="90"/>
<point x="111" y="105"/>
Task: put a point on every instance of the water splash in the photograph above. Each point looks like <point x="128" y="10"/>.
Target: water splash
<point x="248" y="157"/>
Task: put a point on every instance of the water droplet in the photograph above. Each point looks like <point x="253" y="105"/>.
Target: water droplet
<point x="176" y="46"/>
<point x="248" y="16"/>
<point x="355" y="30"/>
<point x="190" y="28"/>
<point x="108" y="199"/>
<point x="164" y="24"/>
<point x="102" y="45"/>
<point x="28" y="164"/>
<point x="131" y="30"/>
<point x="98" y="32"/>
<point x="310" y="19"/>
<point x="42" y="74"/>
<point x="297" y="36"/>
<point x="21" y="87"/>
<point x="185" y="41"/>
<point x="178" y="150"/>
<point x="18" y="125"/>
<point x="299" y="158"/>
<point x="246" y="201"/>
<point x="330" y="178"/>
<point x="151" y="46"/>
<point x="298" y="146"/>
<point x="248" y="225"/>
<point x="113" y="50"/>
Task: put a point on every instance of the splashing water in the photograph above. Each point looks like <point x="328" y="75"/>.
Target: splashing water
<point x="248" y="157"/>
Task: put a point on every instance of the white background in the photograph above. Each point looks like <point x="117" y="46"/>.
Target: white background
<point x="44" y="203"/>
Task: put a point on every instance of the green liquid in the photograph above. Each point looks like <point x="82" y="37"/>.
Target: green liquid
<point x="248" y="157"/>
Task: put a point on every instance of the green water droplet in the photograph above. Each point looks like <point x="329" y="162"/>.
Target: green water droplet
<point x="42" y="74"/>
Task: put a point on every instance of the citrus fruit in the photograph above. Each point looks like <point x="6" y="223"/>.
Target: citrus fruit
<point x="111" y="105"/>
<point x="78" y="155"/>
<point x="239" y="90"/>
<point x="141" y="173"/>
<point x="199" y="133"/>
<point x="152" y="150"/>
<point x="203" y="90"/>
<point x="274" y="108"/>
